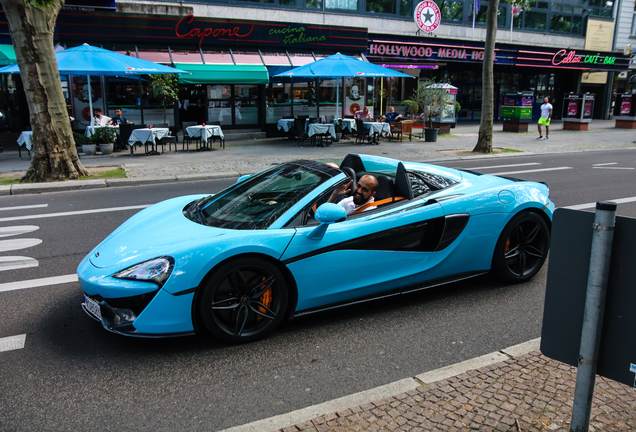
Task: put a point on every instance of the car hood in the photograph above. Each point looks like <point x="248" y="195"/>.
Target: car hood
<point x="155" y="231"/>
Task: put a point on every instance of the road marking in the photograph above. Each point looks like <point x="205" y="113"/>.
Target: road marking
<point x="12" y="342"/>
<point x="608" y="163"/>
<point x="17" y="262"/>
<point x="73" y="213"/>
<point x="604" y="167"/>
<point x="17" y="244"/>
<point x="527" y="171"/>
<point x="593" y="205"/>
<point x="24" y="207"/>
<point x="501" y="166"/>
<point x="35" y="283"/>
<point x="17" y="230"/>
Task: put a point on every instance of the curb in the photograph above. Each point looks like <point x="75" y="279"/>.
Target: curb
<point x="36" y="188"/>
<point x="299" y="416"/>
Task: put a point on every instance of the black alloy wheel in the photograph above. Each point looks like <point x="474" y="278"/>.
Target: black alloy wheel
<point x="244" y="300"/>
<point x="522" y="248"/>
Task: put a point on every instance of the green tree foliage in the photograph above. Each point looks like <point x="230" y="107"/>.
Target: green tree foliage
<point x="164" y="88"/>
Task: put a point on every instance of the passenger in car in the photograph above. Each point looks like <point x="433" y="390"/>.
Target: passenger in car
<point x="362" y="197"/>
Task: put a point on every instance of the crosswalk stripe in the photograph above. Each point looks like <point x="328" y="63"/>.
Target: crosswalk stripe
<point x="12" y="342"/>
<point x="17" y="262"/>
<point x="34" y="283"/>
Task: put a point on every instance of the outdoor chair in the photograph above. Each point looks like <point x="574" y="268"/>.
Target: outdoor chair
<point x="329" y="118"/>
<point x="299" y="129"/>
<point x="187" y="139"/>
<point x="129" y="132"/>
<point x="362" y="133"/>
<point x="401" y="128"/>
<point x="169" y="139"/>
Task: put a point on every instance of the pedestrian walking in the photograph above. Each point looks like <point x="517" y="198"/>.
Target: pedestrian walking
<point x="546" y="116"/>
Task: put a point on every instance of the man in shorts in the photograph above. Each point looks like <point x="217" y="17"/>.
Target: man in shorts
<point x="546" y="116"/>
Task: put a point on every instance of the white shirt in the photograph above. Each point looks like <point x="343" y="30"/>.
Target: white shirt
<point x="350" y="207"/>
<point x="103" y="122"/>
<point x="545" y="110"/>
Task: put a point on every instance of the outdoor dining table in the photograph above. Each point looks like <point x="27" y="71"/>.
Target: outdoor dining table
<point x="25" y="139"/>
<point x="349" y="124"/>
<point x="145" y="136"/>
<point x="375" y="129"/>
<point x="321" y="129"/>
<point x="90" y="130"/>
<point x="206" y="132"/>
<point x="285" y="124"/>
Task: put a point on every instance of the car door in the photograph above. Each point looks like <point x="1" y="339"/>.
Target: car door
<point x="362" y="256"/>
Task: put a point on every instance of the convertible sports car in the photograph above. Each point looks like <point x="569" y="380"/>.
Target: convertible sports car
<point x="236" y="263"/>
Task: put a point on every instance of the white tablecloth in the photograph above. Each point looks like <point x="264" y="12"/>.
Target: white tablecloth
<point x="26" y="139"/>
<point x="90" y="130"/>
<point x="349" y="124"/>
<point x="285" y="124"/>
<point x="377" y="127"/>
<point x="317" y="128"/>
<point x="147" y="135"/>
<point x="205" y="132"/>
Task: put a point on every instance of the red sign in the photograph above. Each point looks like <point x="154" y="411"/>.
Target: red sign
<point x="427" y="16"/>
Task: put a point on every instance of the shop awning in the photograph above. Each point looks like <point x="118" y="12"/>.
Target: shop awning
<point x="7" y="55"/>
<point x="222" y="74"/>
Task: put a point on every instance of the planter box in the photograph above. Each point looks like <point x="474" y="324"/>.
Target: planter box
<point x="509" y="126"/>
<point x="576" y="124"/>
<point x="625" y="122"/>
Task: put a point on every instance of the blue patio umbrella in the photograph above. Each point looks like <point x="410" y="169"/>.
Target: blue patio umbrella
<point x="340" y="66"/>
<point x="86" y="60"/>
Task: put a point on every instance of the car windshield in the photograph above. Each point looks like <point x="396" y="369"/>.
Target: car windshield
<point x="260" y="200"/>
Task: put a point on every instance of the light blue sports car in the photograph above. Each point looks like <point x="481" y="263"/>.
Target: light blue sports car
<point x="270" y="247"/>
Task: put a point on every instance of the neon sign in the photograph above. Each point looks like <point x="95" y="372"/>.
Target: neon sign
<point x="200" y="33"/>
<point x="565" y="57"/>
<point x="455" y="52"/>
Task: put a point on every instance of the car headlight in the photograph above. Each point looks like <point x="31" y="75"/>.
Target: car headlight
<point x="156" y="270"/>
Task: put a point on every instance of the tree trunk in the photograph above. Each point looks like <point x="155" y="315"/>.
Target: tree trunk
<point x="484" y="141"/>
<point x="54" y="156"/>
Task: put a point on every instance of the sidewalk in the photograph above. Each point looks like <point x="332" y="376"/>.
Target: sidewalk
<point x="517" y="389"/>
<point x="247" y="157"/>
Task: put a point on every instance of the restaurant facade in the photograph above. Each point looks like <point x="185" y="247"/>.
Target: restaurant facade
<point x="232" y="63"/>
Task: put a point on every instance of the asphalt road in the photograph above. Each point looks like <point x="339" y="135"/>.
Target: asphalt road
<point x="71" y="374"/>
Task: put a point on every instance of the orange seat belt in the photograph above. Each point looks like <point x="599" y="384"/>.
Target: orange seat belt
<point x="376" y="203"/>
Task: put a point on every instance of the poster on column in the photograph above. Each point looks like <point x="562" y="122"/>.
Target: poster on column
<point x="354" y="100"/>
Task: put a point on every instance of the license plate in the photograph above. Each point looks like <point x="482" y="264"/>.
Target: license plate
<point x="93" y="307"/>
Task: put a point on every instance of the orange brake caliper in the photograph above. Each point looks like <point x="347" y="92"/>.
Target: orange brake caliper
<point x="266" y="299"/>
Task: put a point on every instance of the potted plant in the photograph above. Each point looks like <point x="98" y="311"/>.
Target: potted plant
<point x="430" y="100"/>
<point x="106" y="138"/>
<point x="88" y="146"/>
<point x="338" y="125"/>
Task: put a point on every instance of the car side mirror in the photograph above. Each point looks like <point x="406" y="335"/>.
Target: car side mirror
<point x="326" y="214"/>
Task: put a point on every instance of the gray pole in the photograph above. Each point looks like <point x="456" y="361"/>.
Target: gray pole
<point x="602" y="237"/>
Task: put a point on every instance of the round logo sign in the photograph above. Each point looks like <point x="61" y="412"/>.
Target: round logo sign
<point x="427" y="16"/>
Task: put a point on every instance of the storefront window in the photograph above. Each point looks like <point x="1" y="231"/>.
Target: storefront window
<point x="313" y="4"/>
<point x="304" y="99"/>
<point x="601" y="8"/>
<point x="278" y="102"/>
<point x="246" y="104"/>
<point x="451" y="10"/>
<point x="341" y="4"/>
<point x="381" y="6"/>
<point x="220" y="104"/>
<point x="327" y="92"/>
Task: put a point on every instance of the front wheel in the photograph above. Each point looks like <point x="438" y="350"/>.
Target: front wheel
<point x="244" y="300"/>
<point x="522" y="248"/>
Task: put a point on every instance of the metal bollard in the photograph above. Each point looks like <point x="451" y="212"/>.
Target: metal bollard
<point x="593" y="317"/>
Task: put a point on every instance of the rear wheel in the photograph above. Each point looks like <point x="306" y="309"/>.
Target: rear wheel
<point x="244" y="300"/>
<point x="522" y="248"/>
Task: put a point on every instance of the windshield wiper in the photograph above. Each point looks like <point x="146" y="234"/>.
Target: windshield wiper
<point x="195" y="213"/>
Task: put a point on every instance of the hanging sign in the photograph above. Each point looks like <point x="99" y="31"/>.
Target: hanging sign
<point x="427" y="16"/>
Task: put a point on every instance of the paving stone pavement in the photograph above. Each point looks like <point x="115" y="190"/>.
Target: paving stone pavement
<point x="527" y="393"/>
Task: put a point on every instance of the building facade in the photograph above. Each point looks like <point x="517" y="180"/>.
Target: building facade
<point x="234" y="49"/>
